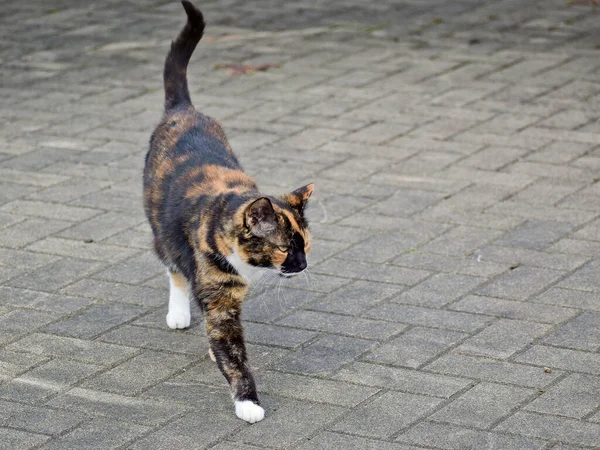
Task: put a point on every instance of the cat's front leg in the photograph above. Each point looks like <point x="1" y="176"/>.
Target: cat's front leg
<point x="226" y="340"/>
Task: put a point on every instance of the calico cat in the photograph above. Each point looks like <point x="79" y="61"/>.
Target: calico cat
<point x="212" y="228"/>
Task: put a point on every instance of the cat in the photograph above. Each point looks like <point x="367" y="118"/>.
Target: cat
<point x="212" y="228"/>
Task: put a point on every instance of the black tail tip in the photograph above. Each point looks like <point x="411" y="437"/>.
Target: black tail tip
<point x="194" y="15"/>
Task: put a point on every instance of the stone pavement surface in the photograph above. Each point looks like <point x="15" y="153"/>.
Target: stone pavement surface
<point x="453" y="296"/>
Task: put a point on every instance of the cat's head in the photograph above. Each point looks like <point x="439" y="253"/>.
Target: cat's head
<point x="275" y="232"/>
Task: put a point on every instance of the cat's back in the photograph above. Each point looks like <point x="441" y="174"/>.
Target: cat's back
<point x="189" y="158"/>
<point x="187" y="135"/>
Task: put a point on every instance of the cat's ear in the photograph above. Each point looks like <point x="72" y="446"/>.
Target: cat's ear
<point x="260" y="217"/>
<point x="297" y="199"/>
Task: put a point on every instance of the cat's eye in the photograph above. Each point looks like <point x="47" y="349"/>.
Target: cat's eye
<point x="283" y="248"/>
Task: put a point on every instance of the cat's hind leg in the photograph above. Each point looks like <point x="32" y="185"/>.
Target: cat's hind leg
<point x="179" y="301"/>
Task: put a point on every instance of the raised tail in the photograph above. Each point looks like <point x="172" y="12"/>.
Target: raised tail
<point x="175" y="73"/>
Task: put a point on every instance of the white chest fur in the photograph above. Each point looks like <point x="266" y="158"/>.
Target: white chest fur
<point x="250" y="273"/>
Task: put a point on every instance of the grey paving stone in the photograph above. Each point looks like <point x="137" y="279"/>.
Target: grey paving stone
<point x="102" y="226"/>
<point x="69" y="190"/>
<point x="348" y="325"/>
<point x="568" y="298"/>
<point x="404" y="203"/>
<point x="575" y="396"/>
<point x="584" y="279"/>
<point x="583" y="332"/>
<point x="30" y="230"/>
<point x="13" y="363"/>
<point x="25" y="259"/>
<point x="578" y="247"/>
<point x="513" y="309"/>
<point x="387" y="414"/>
<point x="571" y="360"/>
<point x="332" y="441"/>
<point x="407" y="380"/>
<point x="56" y="275"/>
<point x="10" y="439"/>
<point x="452" y="437"/>
<point x="503" y="338"/>
<point x="192" y="431"/>
<point x="79" y="249"/>
<point x="439" y="290"/>
<point x="491" y="370"/>
<point x="482" y="405"/>
<point x="366" y="271"/>
<point x="356" y="297"/>
<point x="550" y="427"/>
<point x="451" y="264"/>
<point x="461" y="241"/>
<point x="142" y="371"/>
<point x="274" y="335"/>
<point x="314" y="389"/>
<point x="23" y="321"/>
<point x="270" y="305"/>
<point x="129" y="409"/>
<point x="132" y="271"/>
<point x="98" y="433"/>
<point x="46" y="380"/>
<point x="95" y="320"/>
<point x="46" y="210"/>
<point x="226" y="445"/>
<point x="316" y="282"/>
<point x="154" y="339"/>
<point x="43" y="301"/>
<point x="515" y="256"/>
<point x="429" y="317"/>
<point x="117" y="292"/>
<point x="325" y="354"/>
<point x="415" y="347"/>
<point x="76" y="349"/>
<point x="291" y="422"/>
<point x="535" y="234"/>
<point x="38" y="420"/>
<point x="381" y="247"/>
<point x="589" y="232"/>
<point x="520" y="283"/>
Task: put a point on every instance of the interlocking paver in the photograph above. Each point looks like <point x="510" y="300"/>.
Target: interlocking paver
<point x="98" y="433"/>
<point x="455" y="221"/>
<point x="38" y="420"/>
<point x="513" y="309"/>
<point x="567" y="359"/>
<point x="520" y="282"/>
<point x="412" y="381"/>
<point x="552" y="427"/>
<point x="46" y="380"/>
<point x="387" y="414"/>
<point x="291" y="422"/>
<point x="428" y="317"/>
<point x="575" y="396"/>
<point x="451" y="437"/>
<point x="503" y="338"/>
<point x="482" y="405"/>
<point x="415" y="347"/>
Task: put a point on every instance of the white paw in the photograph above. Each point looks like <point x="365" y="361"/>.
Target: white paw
<point x="178" y="319"/>
<point x="249" y="411"/>
<point x="211" y="355"/>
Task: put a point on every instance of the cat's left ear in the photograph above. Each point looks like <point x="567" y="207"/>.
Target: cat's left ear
<point x="260" y="217"/>
<point x="298" y="198"/>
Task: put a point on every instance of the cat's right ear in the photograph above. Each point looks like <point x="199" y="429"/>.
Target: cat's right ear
<point x="260" y="217"/>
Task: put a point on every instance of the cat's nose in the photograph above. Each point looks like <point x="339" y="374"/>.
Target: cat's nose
<point x="302" y="264"/>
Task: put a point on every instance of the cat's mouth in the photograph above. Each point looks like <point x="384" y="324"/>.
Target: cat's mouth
<point x="289" y="274"/>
